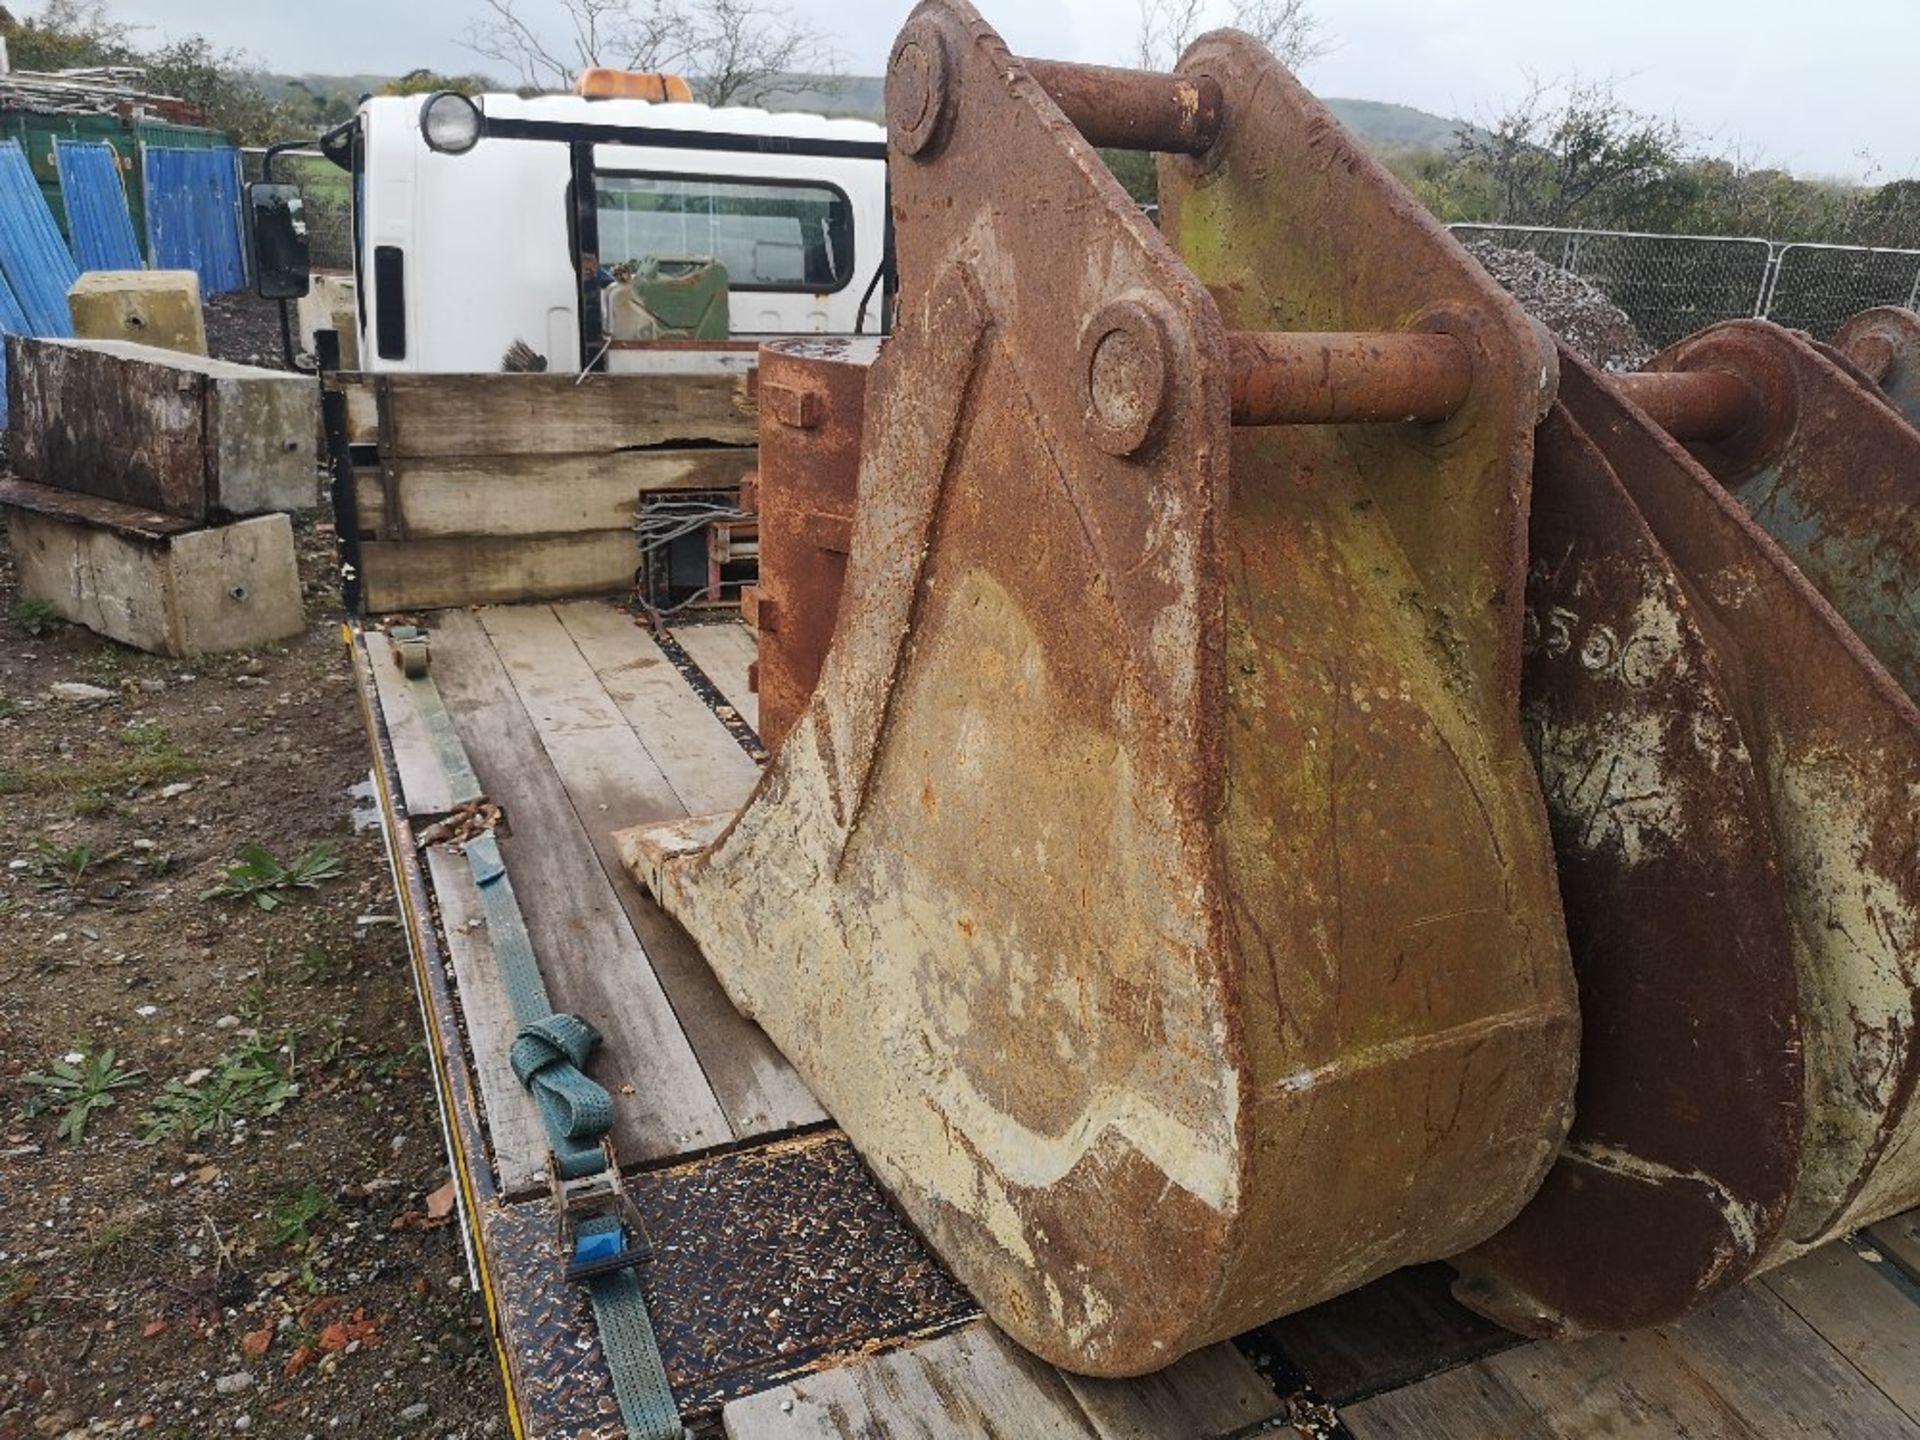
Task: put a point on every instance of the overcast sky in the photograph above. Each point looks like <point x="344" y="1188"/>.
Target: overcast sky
<point x="1808" y="86"/>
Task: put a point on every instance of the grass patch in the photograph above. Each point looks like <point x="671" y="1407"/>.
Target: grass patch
<point x="36" y="617"/>
<point x="146" y="766"/>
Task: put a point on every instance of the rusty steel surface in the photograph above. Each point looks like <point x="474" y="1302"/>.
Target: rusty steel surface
<point x="1691" y="405"/>
<point x="1283" y="379"/>
<point x="1684" y="1152"/>
<point x="1829" y="471"/>
<point x="1132" y="109"/>
<point x="1885" y="344"/>
<point x="1730" y="774"/>
<point x="1156" y="887"/>
<point x="809" y="467"/>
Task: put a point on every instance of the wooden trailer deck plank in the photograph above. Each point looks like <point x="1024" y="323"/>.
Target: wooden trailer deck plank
<point x="724" y="651"/>
<point x="1779" y="1374"/>
<point x="515" y="1133"/>
<point x="423" y="784"/>
<point x="1617" y="1385"/>
<point x="702" y="761"/>
<point x="1470" y="1403"/>
<point x="976" y="1383"/>
<point x="1863" y="1314"/>
<point x="1899" y="1240"/>
<point x="594" y="964"/>
<point x="1746" y="1367"/>
<point x="613" y="782"/>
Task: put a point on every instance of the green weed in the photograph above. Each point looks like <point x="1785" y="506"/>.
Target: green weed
<point x="259" y="877"/>
<point x="320" y="964"/>
<point x="249" y="1083"/>
<point x="294" y="1217"/>
<point x="83" y="1087"/>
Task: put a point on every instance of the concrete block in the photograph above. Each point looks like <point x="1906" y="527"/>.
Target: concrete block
<point x="160" y="308"/>
<point x="147" y="427"/>
<point x="330" y="304"/>
<point x="224" y="587"/>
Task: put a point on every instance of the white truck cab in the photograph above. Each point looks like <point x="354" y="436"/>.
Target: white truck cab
<point x="485" y="224"/>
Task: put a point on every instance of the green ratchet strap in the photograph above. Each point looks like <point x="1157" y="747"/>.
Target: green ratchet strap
<point x="600" y="1229"/>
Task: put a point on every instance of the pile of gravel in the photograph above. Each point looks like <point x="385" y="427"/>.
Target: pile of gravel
<point x="1575" y="309"/>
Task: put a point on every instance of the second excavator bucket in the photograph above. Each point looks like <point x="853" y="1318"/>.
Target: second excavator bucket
<point x="1883" y="344"/>
<point x="1155" y="886"/>
<point x="1732" y="777"/>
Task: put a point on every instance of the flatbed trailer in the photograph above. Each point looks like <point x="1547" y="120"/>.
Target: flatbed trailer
<point x="789" y="1296"/>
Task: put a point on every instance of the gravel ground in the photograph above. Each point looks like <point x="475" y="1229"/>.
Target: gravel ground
<point x="244" y="328"/>
<point x="1574" y="308"/>
<point x="251" y="1233"/>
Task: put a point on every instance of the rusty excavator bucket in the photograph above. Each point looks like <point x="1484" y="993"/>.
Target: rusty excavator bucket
<point x="1732" y="775"/>
<point x="1155" y="885"/>
<point x="1883" y="345"/>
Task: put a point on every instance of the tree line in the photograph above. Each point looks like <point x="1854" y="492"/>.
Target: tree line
<point x="1576" y="155"/>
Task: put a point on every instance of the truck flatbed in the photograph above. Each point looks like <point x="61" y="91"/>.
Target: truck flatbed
<point x="790" y="1298"/>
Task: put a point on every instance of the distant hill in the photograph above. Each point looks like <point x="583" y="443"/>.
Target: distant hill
<point x="1384" y="125"/>
<point x="1379" y="123"/>
<point x="275" y="87"/>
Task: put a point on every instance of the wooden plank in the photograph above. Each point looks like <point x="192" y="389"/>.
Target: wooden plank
<point x="423" y="784"/>
<point x="594" y="965"/>
<point x="723" y="652"/>
<point x="1617" y="1385"/>
<point x="439" y="416"/>
<point x="515" y="1133"/>
<point x="698" y="755"/>
<point x="439" y="574"/>
<point x="1465" y="1404"/>
<point x="1778" y="1374"/>
<point x="1211" y="1392"/>
<point x="1899" y="1239"/>
<point x="1399" y="1329"/>
<point x="1862" y="1313"/>
<point x="537" y="494"/>
<point x="976" y="1383"/>
<point x="613" y="782"/>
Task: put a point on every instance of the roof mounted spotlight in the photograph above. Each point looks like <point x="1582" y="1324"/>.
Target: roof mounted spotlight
<point x="450" y="123"/>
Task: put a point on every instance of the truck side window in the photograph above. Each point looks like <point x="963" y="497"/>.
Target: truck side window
<point x="769" y="235"/>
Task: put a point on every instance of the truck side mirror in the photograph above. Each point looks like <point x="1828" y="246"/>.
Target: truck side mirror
<point x="277" y="223"/>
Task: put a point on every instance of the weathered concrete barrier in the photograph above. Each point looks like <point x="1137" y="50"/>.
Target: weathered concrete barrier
<point x="159" y="430"/>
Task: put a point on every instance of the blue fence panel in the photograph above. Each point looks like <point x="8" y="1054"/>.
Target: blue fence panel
<point x="33" y="258"/>
<point x="13" y="321"/>
<point x="99" y="224"/>
<point x="193" y="215"/>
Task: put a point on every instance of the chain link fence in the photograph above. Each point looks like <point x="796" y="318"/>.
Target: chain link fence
<point x="1673" y="285"/>
<point x="326" y="193"/>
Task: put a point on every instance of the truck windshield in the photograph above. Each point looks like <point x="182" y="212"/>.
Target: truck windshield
<point x="770" y="236"/>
